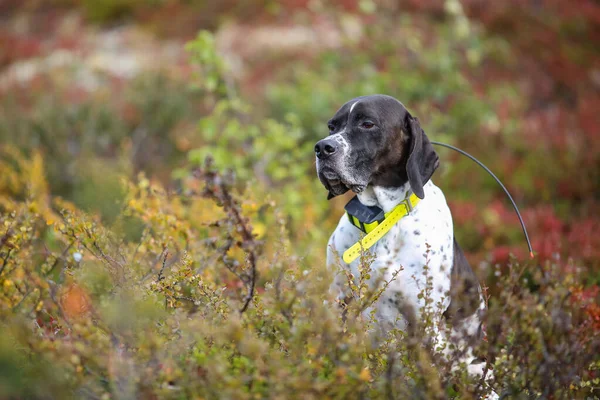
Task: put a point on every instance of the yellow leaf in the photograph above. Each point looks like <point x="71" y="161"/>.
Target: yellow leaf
<point x="259" y="229"/>
<point x="365" y="375"/>
<point x="144" y="183"/>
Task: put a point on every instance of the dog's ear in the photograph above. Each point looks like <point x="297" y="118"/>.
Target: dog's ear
<point x="422" y="159"/>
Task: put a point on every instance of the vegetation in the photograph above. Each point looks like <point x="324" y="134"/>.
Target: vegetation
<point x="162" y="234"/>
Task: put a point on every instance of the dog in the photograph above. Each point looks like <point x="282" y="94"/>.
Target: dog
<point x="379" y="151"/>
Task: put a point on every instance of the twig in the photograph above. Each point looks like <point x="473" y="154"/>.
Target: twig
<point x="164" y="263"/>
<point x="22" y="300"/>
<point x="4" y="261"/>
<point x="217" y="189"/>
<point x="3" y="240"/>
<point x="153" y="267"/>
<point x="389" y="376"/>
<point x="285" y="311"/>
<point x="59" y="258"/>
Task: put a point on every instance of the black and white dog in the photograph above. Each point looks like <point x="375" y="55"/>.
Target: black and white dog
<point x="378" y="150"/>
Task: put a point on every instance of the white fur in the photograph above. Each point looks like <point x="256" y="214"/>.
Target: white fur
<point x="423" y="237"/>
<point x="352" y="107"/>
<point x="404" y="247"/>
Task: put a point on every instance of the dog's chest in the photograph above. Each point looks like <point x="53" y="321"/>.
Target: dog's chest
<point x="422" y="238"/>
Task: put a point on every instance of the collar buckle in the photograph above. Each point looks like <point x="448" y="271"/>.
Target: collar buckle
<point x="407" y="204"/>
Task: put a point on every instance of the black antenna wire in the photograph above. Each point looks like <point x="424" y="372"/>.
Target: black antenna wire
<point x="464" y="153"/>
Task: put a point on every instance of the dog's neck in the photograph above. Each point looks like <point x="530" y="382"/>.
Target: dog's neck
<point x="385" y="198"/>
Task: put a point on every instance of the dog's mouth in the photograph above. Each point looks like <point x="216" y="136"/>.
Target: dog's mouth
<point x="332" y="182"/>
<point x="335" y="184"/>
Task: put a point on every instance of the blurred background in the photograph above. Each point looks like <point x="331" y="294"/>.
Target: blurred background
<point x="106" y="106"/>
<point x="107" y="88"/>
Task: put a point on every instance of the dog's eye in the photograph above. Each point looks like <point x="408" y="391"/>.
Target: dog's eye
<point x="367" y="125"/>
<point x="331" y="127"/>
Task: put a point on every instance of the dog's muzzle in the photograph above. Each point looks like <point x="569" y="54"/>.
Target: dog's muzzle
<point x="327" y="151"/>
<point x="332" y="181"/>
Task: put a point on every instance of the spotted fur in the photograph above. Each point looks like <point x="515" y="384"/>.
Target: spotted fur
<point x="384" y="164"/>
<point x="409" y="245"/>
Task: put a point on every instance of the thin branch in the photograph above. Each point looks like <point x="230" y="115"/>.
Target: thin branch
<point x="153" y="267"/>
<point x="164" y="263"/>
<point x="216" y="188"/>
<point x="285" y="311"/>
<point x="62" y="255"/>
<point x="389" y="376"/>
<point x="5" y="261"/>
<point x="3" y="241"/>
<point x="22" y="300"/>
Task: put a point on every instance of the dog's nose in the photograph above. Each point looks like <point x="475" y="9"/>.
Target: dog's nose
<point x="325" y="148"/>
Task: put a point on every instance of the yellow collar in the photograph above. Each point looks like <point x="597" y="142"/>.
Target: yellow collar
<point x="377" y="229"/>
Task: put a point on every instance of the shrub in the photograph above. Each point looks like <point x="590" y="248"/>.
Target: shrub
<point x="118" y="282"/>
<point x="197" y="306"/>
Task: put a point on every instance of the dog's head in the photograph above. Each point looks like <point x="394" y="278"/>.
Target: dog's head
<point x="373" y="140"/>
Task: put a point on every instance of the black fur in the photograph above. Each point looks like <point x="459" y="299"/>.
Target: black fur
<point x="390" y="153"/>
<point x="464" y="288"/>
<point x="422" y="159"/>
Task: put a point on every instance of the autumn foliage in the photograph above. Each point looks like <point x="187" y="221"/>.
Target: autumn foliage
<point x="162" y="230"/>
